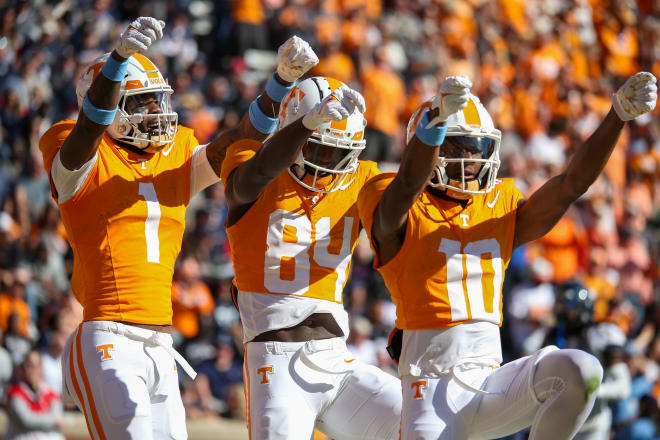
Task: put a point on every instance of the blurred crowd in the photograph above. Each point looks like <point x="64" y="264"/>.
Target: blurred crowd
<point x="545" y="69"/>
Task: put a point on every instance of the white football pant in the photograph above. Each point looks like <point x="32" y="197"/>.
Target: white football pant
<point x="293" y="387"/>
<point x="553" y="391"/>
<point x="124" y="381"/>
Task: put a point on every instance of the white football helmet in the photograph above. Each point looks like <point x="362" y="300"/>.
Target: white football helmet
<point x="142" y="79"/>
<point x="470" y="129"/>
<point x="330" y="155"/>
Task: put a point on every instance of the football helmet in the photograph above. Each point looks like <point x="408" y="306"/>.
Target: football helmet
<point x="328" y="160"/>
<point x="133" y="124"/>
<point x="468" y="130"/>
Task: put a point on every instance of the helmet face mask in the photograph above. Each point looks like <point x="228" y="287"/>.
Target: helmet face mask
<point x="144" y="118"/>
<point x="328" y="160"/>
<point x="470" y="130"/>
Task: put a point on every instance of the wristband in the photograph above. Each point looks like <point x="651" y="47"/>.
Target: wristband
<point x="114" y="70"/>
<point x="432" y="136"/>
<point x="276" y="90"/>
<point x="262" y="122"/>
<point x="98" y="115"/>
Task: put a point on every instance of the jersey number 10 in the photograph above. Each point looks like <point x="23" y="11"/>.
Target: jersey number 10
<point x="480" y="278"/>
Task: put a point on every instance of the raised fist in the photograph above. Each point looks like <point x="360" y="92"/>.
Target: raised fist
<point x="294" y="58"/>
<point x="140" y="35"/>
<point x="335" y="107"/>
<point x="636" y="96"/>
<point x="452" y="97"/>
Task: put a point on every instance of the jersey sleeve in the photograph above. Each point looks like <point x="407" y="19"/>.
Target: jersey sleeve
<point x="368" y="200"/>
<point x="237" y="153"/>
<point x="514" y="194"/>
<point x="50" y="143"/>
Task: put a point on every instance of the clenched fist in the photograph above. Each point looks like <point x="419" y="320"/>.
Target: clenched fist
<point x="636" y="96"/>
<point x="140" y="35"/>
<point x="335" y="107"/>
<point x="452" y="97"/>
<point x="294" y="58"/>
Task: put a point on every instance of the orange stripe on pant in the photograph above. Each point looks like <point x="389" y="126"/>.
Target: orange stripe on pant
<point x="246" y="388"/>
<point x="76" y="387"/>
<point x="88" y="389"/>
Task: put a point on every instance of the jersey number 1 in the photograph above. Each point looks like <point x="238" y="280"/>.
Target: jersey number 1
<point x="152" y="221"/>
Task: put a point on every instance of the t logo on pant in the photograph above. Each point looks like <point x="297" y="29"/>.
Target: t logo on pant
<point x="105" y="349"/>
<point x="265" y="371"/>
<point x="419" y="385"/>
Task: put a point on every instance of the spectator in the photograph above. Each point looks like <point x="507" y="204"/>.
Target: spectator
<point x="191" y="298"/>
<point x="33" y="408"/>
<point x="219" y="375"/>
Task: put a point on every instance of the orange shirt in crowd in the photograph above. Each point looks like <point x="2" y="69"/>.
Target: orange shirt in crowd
<point x="622" y="50"/>
<point x="337" y="65"/>
<point x="248" y="11"/>
<point x="384" y="94"/>
<point x="188" y="303"/>
<point x="10" y="305"/>
<point x="563" y="246"/>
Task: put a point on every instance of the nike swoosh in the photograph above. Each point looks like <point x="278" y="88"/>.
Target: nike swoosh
<point x="348" y="361"/>
<point x="491" y="205"/>
<point x="165" y="153"/>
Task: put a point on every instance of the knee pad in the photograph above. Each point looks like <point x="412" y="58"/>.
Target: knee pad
<point x="569" y="371"/>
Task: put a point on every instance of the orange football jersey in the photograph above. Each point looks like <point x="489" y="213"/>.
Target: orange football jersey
<point x="293" y="241"/>
<point x="451" y="265"/>
<point x="125" y="225"/>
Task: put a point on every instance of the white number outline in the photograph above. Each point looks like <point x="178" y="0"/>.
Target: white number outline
<point x="471" y="256"/>
<point x="152" y="222"/>
<point x="298" y="250"/>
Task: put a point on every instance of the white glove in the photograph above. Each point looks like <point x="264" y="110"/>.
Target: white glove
<point x="335" y="107"/>
<point x="636" y="96"/>
<point x="140" y="35"/>
<point x="294" y="58"/>
<point x="453" y="96"/>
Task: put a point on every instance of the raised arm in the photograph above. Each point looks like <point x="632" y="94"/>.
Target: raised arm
<point x="100" y="103"/>
<point x="537" y="215"/>
<point x="417" y="163"/>
<point x="294" y="58"/>
<point x="278" y="153"/>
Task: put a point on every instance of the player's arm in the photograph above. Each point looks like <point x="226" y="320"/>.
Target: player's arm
<point x="100" y="104"/>
<point x="537" y="215"/>
<point x="417" y="163"/>
<point x="294" y="58"/>
<point x="248" y="180"/>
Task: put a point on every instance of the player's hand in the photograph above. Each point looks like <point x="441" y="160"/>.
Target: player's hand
<point x="294" y="58"/>
<point x="452" y="97"/>
<point x="140" y="35"/>
<point x="636" y="96"/>
<point x="335" y="107"/>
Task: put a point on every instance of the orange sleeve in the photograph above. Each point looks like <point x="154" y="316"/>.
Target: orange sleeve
<point x="368" y="200"/>
<point x="237" y="153"/>
<point x="50" y="143"/>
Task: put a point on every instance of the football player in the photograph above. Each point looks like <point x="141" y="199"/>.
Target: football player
<point x="443" y="230"/>
<point x="122" y="175"/>
<point x="292" y="226"/>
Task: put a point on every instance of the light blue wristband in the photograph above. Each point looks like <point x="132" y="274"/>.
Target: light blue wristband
<point x="98" y="115"/>
<point x="114" y="70"/>
<point x="262" y="122"/>
<point x="432" y="136"/>
<point x="276" y="90"/>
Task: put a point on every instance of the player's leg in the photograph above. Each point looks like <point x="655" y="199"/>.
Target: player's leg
<point x="431" y="408"/>
<point x="168" y="413"/>
<point x="105" y="375"/>
<point x="367" y="405"/>
<point x="277" y="405"/>
<point x="553" y="391"/>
